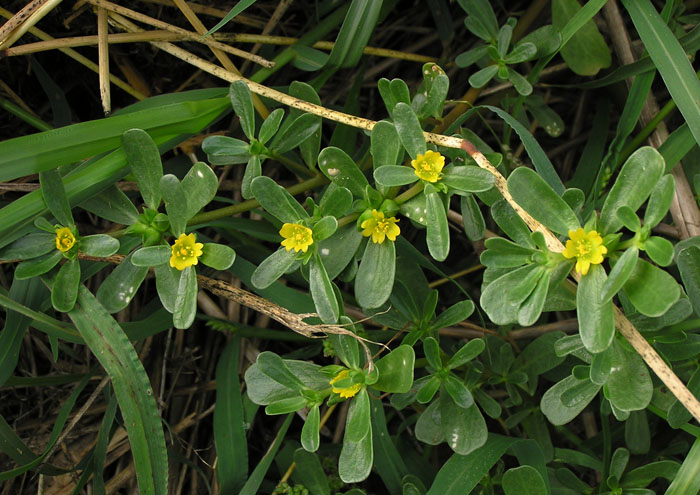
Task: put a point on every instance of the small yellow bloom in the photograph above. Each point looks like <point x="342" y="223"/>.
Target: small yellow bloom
<point x="64" y="239"/>
<point x="429" y="166"/>
<point x="586" y="247"/>
<point x="296" y="237"/>
<point x="185" y="252"/>
<point x="380" y="228"/>
<point x="345" y="392"/>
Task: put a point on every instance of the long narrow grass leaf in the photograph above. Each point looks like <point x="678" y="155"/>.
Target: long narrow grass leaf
<point x="670" y="59"/>
<point x="112" y="348"/>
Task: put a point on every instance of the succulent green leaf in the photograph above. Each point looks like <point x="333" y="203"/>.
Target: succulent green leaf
<point x="356" y="457"/>
<point x="531" y="308"/>
<point x="651" y="290"/>
<point x="277" y="201"/>
<point x="456" y="313"/>
<point x="336" y="201"/>
<point x="273" y="267"/>
<point x="186" y="299"/>
<point x="270" y="125"/>
<point x="660" y="250"/>
<point x="224" y="150"/>
<point x="120" y="286"/>
<point x="301" y="129"/>
<point x="553" y="406"/>
<point x="468" y="179"/>
<point x="175" y="203"/>
<point x="523" y="480"/>
<point x="310" y="437"/>
<point x="199" y="185"/>
<point x="637" y="179"/>
<point x="438" y="234"/>
<point x="536" y="197"/>
<point x="409" y="129"/>
<point x="396" y="371"/>
<point x="242" y="103"/>
<point x="511" y="223"/>
<point x="322" y="291"/>
<point x="167" y="283"/>
<point x="324" y="228"/>
<point x="65" y="287"/>
<point x="596" y="321"/>
<point x="628" y="218"/>
<point x="217" y="256"/>
<point x="375" y="276"/>
<point x="394" y="175"/>
<point x="253" y="170"/>
<point x="143" y="158"/>
<point x="274" y="367"/>
<point x="619" y="274"/>
<point x="659" y="201"/>
<point x="100" y="245"/>
<point x="285" y="406"/>
<point x="428" y="390"/>
<point x="472" y="218"/>
<point x="29" y="246"/>
<point x="469" y="351"/>
<point x="464" y="430"/>
<point x="342" y="170"/>
<point x="481" y="78"/>
<point x="151" y="256"/>
<point x="55" y="197"/>
<point x="629" y="386"/>
<point x="459" y="392"/>
<point x="38" y="265"/>
<point x="502" y="298"/>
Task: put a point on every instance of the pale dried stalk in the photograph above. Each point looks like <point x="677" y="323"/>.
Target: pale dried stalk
<point x="187" y="34"/>
<point x="20" y="23"/>
<point x="80" y="59"/>
<point x="103" y="60"/>
<point x="223" y="58"/>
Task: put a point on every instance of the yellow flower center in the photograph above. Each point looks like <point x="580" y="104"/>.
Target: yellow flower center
<point x="185" y="251"/>
<point x="586" y="247"/>
<point x="296" y="237"/>
<point x="64" y="239"/>
<point x="428" y="167"/>
<point x="380" y="228"/>
<point x="344" y="392"/>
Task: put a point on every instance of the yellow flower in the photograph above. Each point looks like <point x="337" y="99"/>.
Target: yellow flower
<point x="64" y="239"/>
<point x="586" y="247"/>
<point x="296" y="237"/>
<point x="185" y="251"/>
<point x="345" y="392"/>
<point x="429" y="166"/>
<point x="379" y="227"/>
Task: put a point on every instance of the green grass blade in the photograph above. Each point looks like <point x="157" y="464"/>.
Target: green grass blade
<point x="30" y="292"/>
<point x="256" y="477"/>
<point x="670" y="59"/>
<point x="229" y="433"/>
<point x="237" y="9"/>
<point x="112" y="348"/>
<point x="35" y="153"/>
<point x="43" y="322"/>
<point x="100" y="452"/>
<point x="687" y="479"/>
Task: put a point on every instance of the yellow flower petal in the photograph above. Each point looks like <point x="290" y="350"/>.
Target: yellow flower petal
<point x="428" y="167"/>
<point x="380" y="228"/>
<point x="586" y="247"/>
<point x="185" y="251"/>
<point x="296" y="237"/>
<point x="344" y="392"/>
<point x="65" y="239"/>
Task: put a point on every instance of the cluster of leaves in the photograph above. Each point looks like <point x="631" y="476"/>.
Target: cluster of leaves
<point x="358" y="239"/>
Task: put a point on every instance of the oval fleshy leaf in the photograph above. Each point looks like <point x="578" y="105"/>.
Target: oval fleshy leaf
<point x="65" y="287"/>
<point x="242" y="103"/>
<point x="375" y="276"/>
<point x="143" y="158"/>
<point x="342" y="170"/>
<point x="217" y="256"/>
<point x="638" y="177"/>
<point x="277" y="201"/>
<point x="536" y="197"/>
<point x="100" y="245"/>
<point x="596" y="321"/>
<point x="272" y="268"/>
